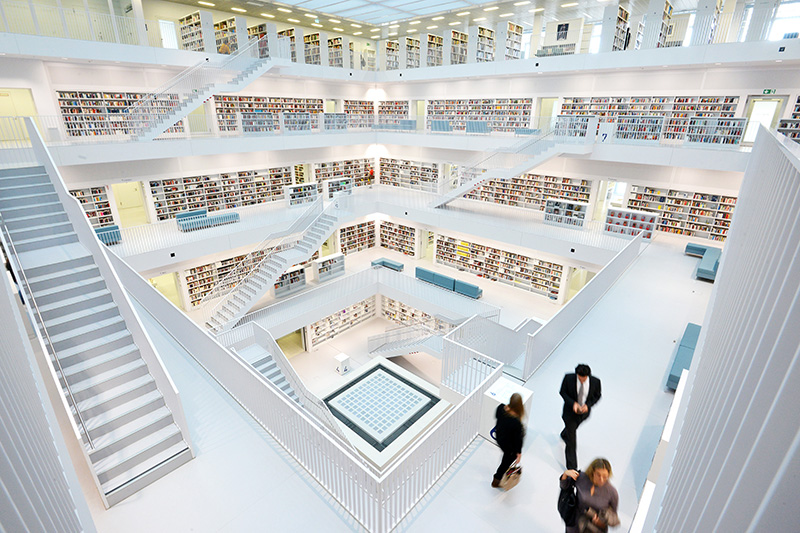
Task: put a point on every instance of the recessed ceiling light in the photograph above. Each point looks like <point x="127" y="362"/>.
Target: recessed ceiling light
<point x="259" y="4"/>
<point x="358" y="33"/>
<point x="209" y="4"/>
<point x="437" y="18"/>
<point x="493" y="8"/>
<point x="339" y="29"/>
<point x="67" y="59"/>
<point x="392" y="33"/>
<point x="478" y="19"/>
<point x="717" y="64"/>
<point x="779" y="60"/>
<point x="310" y="15"/>
<point x="412" y="23"/>
<point x="335" y="21"/>
<point x="571" y="4"/>
<point x="294" y="20"/>
<point x="537" y="10"/>
<point x="284" y="10"/>
<point x="356" y="25"/>
<point x="268" y="15"/>
<point x="525" y="3"/>
<point x="373" y="30"/>
<point x="316" y="25"/>
<point x="454" y="23"/>
<point x="431" y="27"/>
<point x="412" y="30"/>
<point x="395" y="26"/>
<point x="506" y="14"/>
<point x="239" y="9"/>
<point x="463" y="13"/>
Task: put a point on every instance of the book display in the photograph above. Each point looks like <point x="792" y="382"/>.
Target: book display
<point x="392" y="52"/>
<point x="369" y="59"/>
<point x="484" y="43"/>
<point x="290" y="282"/>
<point x="336" y="56"/>
<point x="225" y="34"/>
<point x="301" y="194"/>
<point x="684" y="212"/>
<point x="513" y="41"/>
<point x="103" y="113"/>
<point x="95" y="203"/>
<point x="289" y="34"/>
<point x="339" y="322"/>
<point x="663" y="32"/>
<point x="258" y="122"/>
<point x="502" y="114"/>
<point x="361" y="113"/>
<point x="563" y="213"/>
<point x="409" y="174"/>
<point x="334" y="121"/>
<point x="404" y="314"/>
<point x="218" y="191"/>
<point x="400" y="238"/>
<point x="360" y="171"/>
<point x="458" y="52"/>
<point x="312" y="49"/>
<point x="299" y="173"/>
<point x="412" y="52"/>
<point x="328" y="267"/>
<point x="259" y="31"/>
<point x="530" y="191"/>
<point x="621" y="29"/>
<point x="712" y="130"/>
<point x="194" y="30"/>
<point x="357" y="237"/>
<point x="336" y="186"/>
<point x="435" y="55"/>
<point x="536" y="275"/>
<point x="389" y="112"/>
<point x="300" y="121"/>
<point x="791" y="126"/>
<point x="629" y="223"/>
<point x="227" y="107"/>
<point x="639" y="128"/>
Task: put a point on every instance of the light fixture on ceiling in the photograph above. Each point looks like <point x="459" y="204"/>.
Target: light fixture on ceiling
<point x="525" y="3"/>
<point x="392" y="33"/>
<point x="284" y="10"/>
<point x="462" y="14"/>
<point x="395" y="26"/>
<point x="356" y="25"/>
<point x="268" y="15"/>
<point x="373" y="30"/>
<point x="316" y="25"/>
<point x="294" y="20"/>
<point x="536" y="10"/>
<point x="506" y="14"/>
<point x="257" y="4"/>
<point x="335" y="21"/>
<point x="239" y="9"/>
<point x="414" y="22"/>
<point x="437" y="18"/>
<point x="493" y="8"/>
<point x="358" y="33"/>
<point x="478" y="19"/>
<point x="209" y="4"/>
<point x="570" y="4"/>
<point x="339" y="29"/>
<point x="310" y="15"/>
<point x="431" y="27"/>
<point x="454" y="23"/>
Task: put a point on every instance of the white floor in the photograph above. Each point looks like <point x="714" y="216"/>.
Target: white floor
<point x="241" y="480"/>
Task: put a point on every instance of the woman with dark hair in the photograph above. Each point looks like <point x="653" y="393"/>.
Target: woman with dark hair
<point x="509" y="434"/>
<point x="597" y="498"/>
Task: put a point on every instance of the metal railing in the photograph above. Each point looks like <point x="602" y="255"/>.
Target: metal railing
<point x="416" y="332"/>
<point x="15" y="145"/>
<point x="30" y="303"/>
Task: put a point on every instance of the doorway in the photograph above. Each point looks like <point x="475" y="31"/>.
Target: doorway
<point x="167" y="284"/>
<point x="419" y="105"/>
<point x="16" y="103"/>
<point x="610" y="193"/>
<point x="764" y="110"/>
<point x="293" y="343"/>
<point x="578" y="278"/>
<point x="129" y="200"/>
<point x="547" y="107"/>
<point x="429" y="246"/>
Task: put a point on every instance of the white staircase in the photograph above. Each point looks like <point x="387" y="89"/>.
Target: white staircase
<point x="263" y="362"/>
<point x="127" y="430"/>
<point x="405" y="340"/>
<point x="230" y="306"/>
<point x="161" y="110"/>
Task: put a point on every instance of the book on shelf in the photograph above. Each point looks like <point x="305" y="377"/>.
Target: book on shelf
<point x="357" y="237"/>
<point x="340" y="321"/>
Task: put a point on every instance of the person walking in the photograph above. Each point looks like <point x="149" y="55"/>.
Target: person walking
<point x="509" y="434"/>
<point x="597" y="498"/>
<point x="580" y="392"/>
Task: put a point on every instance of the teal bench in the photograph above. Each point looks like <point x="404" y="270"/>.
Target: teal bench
<point x="446" y="282"/>
<point x="527" y="131"/>
<point x="109" y="235"/>
<point x="199" y="219"/>
<point x="407" y="125"/>
<point x="388" y="263"/>
<point x="709" y="260"/>
<point x="477" y="126"/>
<point x="683" y="357"/>
<point x="441" y="126"/>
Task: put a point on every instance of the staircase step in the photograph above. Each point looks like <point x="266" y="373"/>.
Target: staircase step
<point x="80" y="318"/>
<point x="84" y="334"/>
<point x="30" y="179"/>
<point x="25" y="189"/>
<point x="48" y="241"/>
<point x="72" y="305"/>
<point x="122" y="463"/>
<point x="21" y="171"/>
<point x="75" y="261"/>
<point x="108" y="380"/>
<point x="117" y="417"/>
<point x="94" y="348"/>
<point x="12" y="212"/>
<point x="151" y="471"/>
<point x="36" y="220"/>
<point x="116" y="396"/>
<point x="101" y="363"/>
<point x="126" y="435"/>
<point x="43" y="230"/>
<point x="62" y="277"/>
<point x="28" y="200"/>
<point x="69" y="290"/>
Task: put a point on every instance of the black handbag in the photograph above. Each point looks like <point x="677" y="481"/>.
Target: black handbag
<point x="568" y="503"/>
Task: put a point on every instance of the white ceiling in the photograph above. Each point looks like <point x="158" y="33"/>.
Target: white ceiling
<point x="405" y="17"/>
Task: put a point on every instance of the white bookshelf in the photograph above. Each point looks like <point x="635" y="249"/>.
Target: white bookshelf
<point x="641" y="129"/>
<point x="298" y="195"/>
<point x="400" y="313"/>
<point x="390" y="111"/>
<point x="328" y="267"/>
<point x="620" y="29"/>
<point x="195" y="30"/>
<point x="629" y="223"/>
<point x="218" y="191"/>
<point x="334" y="121"/>
<point x="513" y="37"/>
<point x="231" y="32"/>
<point x="361" y="171"/>
<point x="530" y="191"/>
<point x="666" y="17"/>
<point x="688" y="213"/>
<point x="339" y="322"/>
<point x="392" y="55"/>
<point x="791" y="126"/>
<point x="289" y="33"/>
<point x="336" y="52"/>
<point x="299" y="173"/>
<point x="409" y="174"/>
<point x="400" y="238"/>
<point x="257" y="122"/>
<point x="369" y="59"/>
<point x="311" y="47"/>
<point x="484" y="42"/>
<point x="525" y="272"/>
<point x="361" y="113"/>
<point x="564" y="213"/>
<point x="357" y="237"/>
<point x="96" y="205"/>
<point x="412" y="52"/>
<point x="300" y="121"/>
<point x="290" y="282"/>
<point x="435" y="50"/>
<point x="503" y="114"/>
<point x="89" y="113"/>
<point x="714" y="130"/>
<point x="458" y="52"/>
<point x="258" y="32"/>
<point x="230" y="108"/>
<point x="340" y="186"/>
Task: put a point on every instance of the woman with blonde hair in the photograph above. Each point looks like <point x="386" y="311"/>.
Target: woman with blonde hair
<point x="509" y="434"/>
<point x="597" y="498"/>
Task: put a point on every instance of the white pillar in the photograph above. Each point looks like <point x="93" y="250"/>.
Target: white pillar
<point x="141" y="26"/>
<point x="761" y="21"/>
<point x="609" y="28"/>
<point x="536" y="35"/>
<point x="703" y="22"/>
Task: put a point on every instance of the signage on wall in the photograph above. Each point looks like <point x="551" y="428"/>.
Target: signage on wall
<point x="769" y="91"/>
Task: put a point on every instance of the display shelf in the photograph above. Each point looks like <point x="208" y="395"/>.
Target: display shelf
<point x="513" y="41"/>
<point x="88" y="113"/>
<point x="712" y="130"/>
<point x="621" y="30"/>
<point x="334" y="121"/>
<point x="404" y="314"/>
<point x="290" y="282"/>
<point x="193" y="30"/>
<point x="96" y="205"/>
<point x="409" y="174"/>
<point x="502" y="114"/>
<point x="259" y="31"/>
<point x="218" y="191"/>
<point x="458" y="51"/>
<point x="435" y="55"/>
<point x="289" y="33"/>
<point x="666" y="17"/>
<point x="628" y="223"/>
<point x="361" y="113"/>
<point x="564" y="213"/>
<point x="390" y="112"/>
<point x="639" y="128"/>
<point x="339" y="322"/>
<point x="369" y="59"/>
<point x="392" y="55"/>
<point x="412" y="52"/>
<point x="300" y="121"/>
<point x="361" y="171"/>
<point x="485" y="45"/>
<point x="229" y="107"/>
<point x="259" y="123"/>
<point x="340" y="186"/>
<point x="357" y="237"/>
<point x="312" y="49"/>
<point x="637" y="44"/>
<point x="530" y="191"/>
<point x="530" y="273"/>
<point x="301" y="194"/>
<point x="336" y="57"/>
<point x="329" y="267"/>
<point x="225" y="34"/>
<point x="398" y="237"/>
<point x="556" y="50"/>
<point x="684" y="212"/>
<point x="791" y="126"/>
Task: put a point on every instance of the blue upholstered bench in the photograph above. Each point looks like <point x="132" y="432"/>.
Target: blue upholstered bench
<point x="527" y="131"/>
<point x="446" y="282"/>
<point x="468" y="289"/>
<point x="441" y="126"/>
<point x="709" y="260"/>
<point x="109" y="235"/>
<point x="195" y="222"/>
<point x="407" y="125"/>
<point x="683" y="357"/>
<point x="191" y="214"/>
<point x="424" y="274"/>
<point x="477" y="126"/>
<point x="388" y="263"/>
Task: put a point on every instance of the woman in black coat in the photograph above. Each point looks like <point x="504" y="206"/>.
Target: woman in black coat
<point x="509" y="434"/>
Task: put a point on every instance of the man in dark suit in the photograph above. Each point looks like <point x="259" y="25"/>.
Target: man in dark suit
<point x="580" y="391"/>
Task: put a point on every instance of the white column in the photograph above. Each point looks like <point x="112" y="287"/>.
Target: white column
<point x="141" y="27"/>
<point x="536" y="35"/>
<point x="324" y="51"/>
<point x="472" y="44"/>
<point x="207" y="29"/>
<point x="447" y="47"/>
<point x="760" y="22"/>
<point x="703" y="22"/>
<point x="500" y="40"/>
<point x="652" y="24"/>
<point x="609" y="28"/>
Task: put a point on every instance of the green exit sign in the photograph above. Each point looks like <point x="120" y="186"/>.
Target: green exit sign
<point x="769" y="91"/>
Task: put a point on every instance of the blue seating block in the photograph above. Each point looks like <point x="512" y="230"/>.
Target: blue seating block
<point x="191" y="214"/>
<point x="690" y="336"/>
<point x="695" y="249"/>
<point x="468" y="289"/>
<point x="109" y="235"/>
<point x="707" y="269"/>
<point x="683" y="357"/>
<point x="407" y="124"/>
<point x="424" y="274"/>
<point x="444" y="282"/>
<point x="526" y="131"/>
<point x="441" y="126"/>
<point x="477" y="126"/>
<point x="388" y="263"/>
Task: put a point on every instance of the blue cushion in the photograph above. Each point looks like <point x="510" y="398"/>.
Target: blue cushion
<point x="468" y="289"/>
<point x="407" y="124"/>
<point x="191" y="214"/>
<point x="477" y="126"/>
<point x="109" y="235"/>
<point x="377" y="263"/>
<point x="690" y="336"/>
<point x="695" y="249"/>
<point x="683" y="360"/>
<point x="445" y="282"/>
<point x="193" y="223"/>
<point x="441" y="125"/>
<point x="424" y="275"/>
